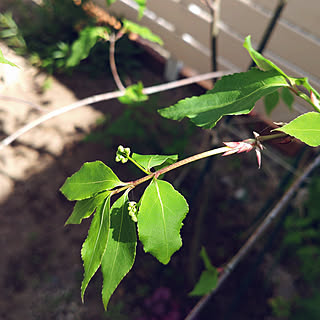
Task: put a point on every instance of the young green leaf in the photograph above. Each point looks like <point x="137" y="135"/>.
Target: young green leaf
<point x="84" y="208"/>
<point x="160" y="216"/>
<point x="262" y="62"/>
<point x="93" y="177"/>
<point x="95" y="245"/>
<point x="306" y="128"/>
<point x="109" y="2"/>
<point x="142" y="7"/>
<point x="5" y="61"/>
<point x="233" y="95"/>
<point x="133" y="94"/>
<point x="120" y="253"/>
<point x="154" y="161"/>
<point x="88" y="37"/>
<point x="287" y="97"/>
<point x="208" y="279"/>
<point x="271" y="101"/>
<point x="143" y="32"/>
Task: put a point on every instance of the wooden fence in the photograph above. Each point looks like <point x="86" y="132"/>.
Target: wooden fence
<point x="184" y="25"/>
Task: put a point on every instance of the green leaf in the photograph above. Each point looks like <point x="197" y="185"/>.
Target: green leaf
<point x="93" y="177"/>
<point x="206" y="259"/>
<point x="143" y="32"/>
<point x="95" y="245"/>
<point x="207" y="282"/>
<point x="133" y="94"/>
<point x="160" y="216"/>
<point x="232" y="95"/>
<point x="5" y="61"/>
<point x="287" y="97"/>
<point x="262" y="62"/>
<point x="88" y="37"/>
<point x="120" y="253"/>
<point x="154" y="161"/>
<point x="306" y="128"/>
<point x="109" y="2"/>
<point x="142" y="6"/>
<point x="271" y="101"/>
<point x="208" y="279"/>
<point x="84" y="208"/>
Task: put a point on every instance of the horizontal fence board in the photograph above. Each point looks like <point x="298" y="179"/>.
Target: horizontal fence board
<point x="183" y="20"/>
<point x="183" y="51"/>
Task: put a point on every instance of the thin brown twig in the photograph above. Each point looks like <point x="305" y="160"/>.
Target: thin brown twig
<point x="244" y="250"/>
<point x="104" y="97"/>
<point x="113" y="66"/>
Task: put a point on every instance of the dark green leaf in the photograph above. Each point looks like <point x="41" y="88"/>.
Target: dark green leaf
<point x="143" y="32"/>
<point x="84" y="208"/>
<point x="287" y="97"/>
<point x="233" y="95"/>
<point x="93" y="177"/>
<point x="306" y="128"/>
<point x="95" y="245"/>
<point x="133" y="94"/>
<point x="160" y="216"/>
<point x="5" y="61"/>
<point x="262" y="62"/>
<point x="208" y="279"/>
<point x="206" y="259"/>
<point x="271" y="101"/>
<point x="88" y="37"/>
<point x="120" y="253"/>
<point x="154" y="160"/>
<point x="207" y="282"/>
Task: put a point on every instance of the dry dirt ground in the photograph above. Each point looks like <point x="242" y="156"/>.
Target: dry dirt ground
<point x="40" y="269"/>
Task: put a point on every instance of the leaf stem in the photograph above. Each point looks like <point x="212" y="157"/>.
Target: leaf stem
<point x="138" y="165"/>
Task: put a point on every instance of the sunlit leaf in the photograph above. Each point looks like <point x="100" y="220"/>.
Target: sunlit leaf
<point x="95" y="245"/>
<point x="232" y="95"/>
<point x="142" y="6"/>
<point x="262" y="62"/>
<point x="93" y="177"/>
<point x="160" y="216"/>
<point x="133" y="94"/>
<point x="143" y="32"/>
<point x="88" y="37"/>
<point x="120" y="252"/>
<point x="306" y="128"/>
<point x="84" y="208"/>
<point x="154" y="160"/>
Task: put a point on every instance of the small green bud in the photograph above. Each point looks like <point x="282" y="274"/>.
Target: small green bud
<point x="122" y="154"/>
<point x="132" y="208"/>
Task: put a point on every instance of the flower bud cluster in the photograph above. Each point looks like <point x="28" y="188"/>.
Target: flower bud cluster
<point x="132" y="208"/>
<point x="122" y="154"/>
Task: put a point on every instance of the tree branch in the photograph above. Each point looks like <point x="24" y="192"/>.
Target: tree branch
<point x="104" y="97"/>
<point x="244" y="250"/>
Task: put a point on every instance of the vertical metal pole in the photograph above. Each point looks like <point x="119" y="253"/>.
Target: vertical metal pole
<point x="267" y="33"/>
